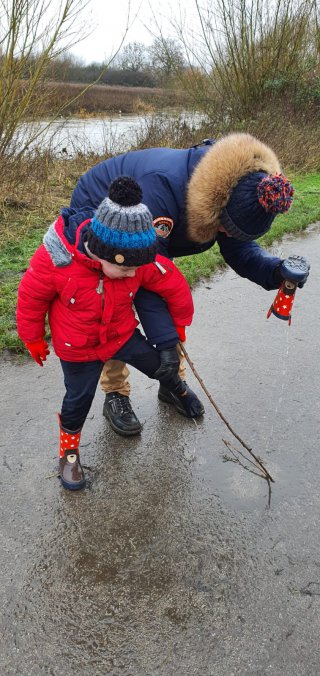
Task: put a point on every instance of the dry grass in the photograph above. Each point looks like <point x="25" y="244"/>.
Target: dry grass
<point x="297" y="148"/>
<point x="109" y="99"/>
<point x="294" y="136"/>
<point x="36" y="197"/>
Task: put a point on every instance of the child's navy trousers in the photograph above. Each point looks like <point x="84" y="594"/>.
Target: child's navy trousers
<point x="81" y="378"/>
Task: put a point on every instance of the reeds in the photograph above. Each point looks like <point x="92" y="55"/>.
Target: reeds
<point x="102" y="99"/>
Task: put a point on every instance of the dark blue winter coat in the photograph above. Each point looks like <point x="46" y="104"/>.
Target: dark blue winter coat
<point x="164" y="174"/>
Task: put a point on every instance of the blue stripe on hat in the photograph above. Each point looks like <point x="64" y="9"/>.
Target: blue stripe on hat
<point x="118" y="238"/>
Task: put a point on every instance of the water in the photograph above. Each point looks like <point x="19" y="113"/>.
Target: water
<point x="96" y="135"/>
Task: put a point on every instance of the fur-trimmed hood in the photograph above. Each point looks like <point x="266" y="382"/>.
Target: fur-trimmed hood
<point x="214" y="178"/>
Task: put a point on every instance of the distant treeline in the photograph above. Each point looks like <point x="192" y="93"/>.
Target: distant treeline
<point x="112" y="76"/>
<point x="135" y="66"/>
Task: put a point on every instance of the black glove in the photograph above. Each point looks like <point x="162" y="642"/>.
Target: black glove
<point x="169" y="364"/>
<point x="295" y="269"/>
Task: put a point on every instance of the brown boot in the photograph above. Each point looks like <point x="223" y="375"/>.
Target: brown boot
<point x="71" y="472"/>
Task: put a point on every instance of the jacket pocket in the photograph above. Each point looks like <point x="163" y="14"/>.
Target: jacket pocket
<point x="68" y="293"/>
<point x="76" y="340"/>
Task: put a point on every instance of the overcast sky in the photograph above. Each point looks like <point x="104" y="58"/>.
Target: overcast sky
<point x="108" y="19"/>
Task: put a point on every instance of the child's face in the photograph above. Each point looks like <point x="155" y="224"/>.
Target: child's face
<point x="114" y="271"/>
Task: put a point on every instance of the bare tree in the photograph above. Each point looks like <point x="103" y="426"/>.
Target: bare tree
<point x="33" y="33"/>
<point x="132" y="57"/>
<point x="166" y="58"/>
<point x="236" y="49"/>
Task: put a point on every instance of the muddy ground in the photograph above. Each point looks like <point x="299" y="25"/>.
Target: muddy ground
<point x="171" y="562"/>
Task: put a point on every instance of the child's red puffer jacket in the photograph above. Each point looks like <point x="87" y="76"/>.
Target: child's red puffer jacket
<point x="91" y="316"/>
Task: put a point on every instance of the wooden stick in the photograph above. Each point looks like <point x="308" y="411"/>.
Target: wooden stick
<point x="267" y="476"/>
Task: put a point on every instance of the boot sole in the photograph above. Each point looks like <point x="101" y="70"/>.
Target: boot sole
<point x="119" y="430"/>
<point x="73" y="487"/>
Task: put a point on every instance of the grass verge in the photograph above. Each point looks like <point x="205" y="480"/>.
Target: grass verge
<point x="23" y="227"/>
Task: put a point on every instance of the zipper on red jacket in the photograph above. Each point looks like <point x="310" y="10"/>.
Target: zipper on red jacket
<point x="99" y="289"/>
<point x="160" y="267"/>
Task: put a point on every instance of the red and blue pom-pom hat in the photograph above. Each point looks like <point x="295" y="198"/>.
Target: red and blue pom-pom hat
<point x="254" y="203"/>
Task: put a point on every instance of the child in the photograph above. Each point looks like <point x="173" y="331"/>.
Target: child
<point x="85" y="279"/>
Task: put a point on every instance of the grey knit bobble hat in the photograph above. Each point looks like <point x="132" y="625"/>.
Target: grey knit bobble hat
<point x="121" y="231"/>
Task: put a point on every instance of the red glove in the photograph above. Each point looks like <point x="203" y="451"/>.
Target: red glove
<point x="181" y="331"/>
<point x="38" y="351"/>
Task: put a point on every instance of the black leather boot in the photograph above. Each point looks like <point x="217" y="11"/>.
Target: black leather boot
<point x="118" y="410"/>
<point x="183" y="399"/>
